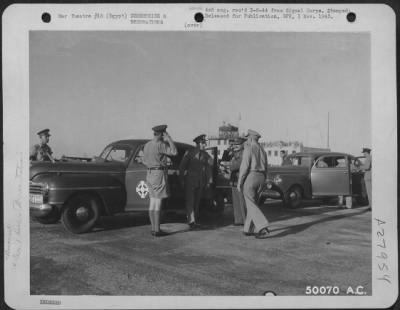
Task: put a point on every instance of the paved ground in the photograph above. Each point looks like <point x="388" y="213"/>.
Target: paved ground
<point x="317" y="246"/>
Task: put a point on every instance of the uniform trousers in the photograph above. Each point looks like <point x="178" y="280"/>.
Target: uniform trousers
<point x="193" y="196"/>
<point x="368" y="186"/>
<point x="255" y="219"/>
<point x="239" y="207"/>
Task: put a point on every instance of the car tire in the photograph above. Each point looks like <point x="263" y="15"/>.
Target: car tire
<point x="293" y="197"/>
<point x="81" y="213"/>
<point x="52" y="218"/>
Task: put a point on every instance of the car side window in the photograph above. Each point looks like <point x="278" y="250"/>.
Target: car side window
<point x="331" y="162"/>
<point x="119" y="154"/>
<point x="139" y="155"/>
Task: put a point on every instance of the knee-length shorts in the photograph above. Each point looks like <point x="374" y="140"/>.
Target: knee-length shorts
<point x="157" y="182"/>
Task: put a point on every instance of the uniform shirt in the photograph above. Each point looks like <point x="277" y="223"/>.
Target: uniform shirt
<point x="235" y="164"/>
<point x="254" y="159"/>
<point x="155" y="153"/>
<point x="367" y="163"/>
<point x="198" y="167"/>
<point x="41" y="152"/>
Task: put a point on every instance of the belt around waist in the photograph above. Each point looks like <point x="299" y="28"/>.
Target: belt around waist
<point x="158" y="168"/>
<point x="258" y="171"/>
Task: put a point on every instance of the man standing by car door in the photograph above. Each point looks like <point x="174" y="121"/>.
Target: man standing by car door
<point x="238" y="203"/>
<point x="252" y="175"/>
<point x="195" y="173"/>
<point x="366" y="167"/>
<point x="155" y="154"/>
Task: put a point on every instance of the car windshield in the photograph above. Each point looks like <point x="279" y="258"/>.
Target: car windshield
<point x="116" y="153"/>
<point x="305" y="161"/>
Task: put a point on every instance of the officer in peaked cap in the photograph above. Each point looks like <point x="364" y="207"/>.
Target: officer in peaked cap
<point x="195" y="173"/>
<point x="155" y="158"/>
<point x="367" y="168"/>
<point x="238" y="203"/>
<point x="252" y="175"/>
<point x="42" y="151"/>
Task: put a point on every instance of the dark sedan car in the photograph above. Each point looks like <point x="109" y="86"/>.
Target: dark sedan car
<point x="320" y="175"/>
<point x="80" y="191"/>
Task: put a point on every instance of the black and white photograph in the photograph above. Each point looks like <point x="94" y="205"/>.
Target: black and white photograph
<point x="205" y="162"/>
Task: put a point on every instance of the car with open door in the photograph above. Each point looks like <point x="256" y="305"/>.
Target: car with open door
<point x="79" y="191"/>
<point x="321" y="175"/>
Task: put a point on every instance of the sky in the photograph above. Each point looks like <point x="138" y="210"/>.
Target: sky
<point x="94" y="87"/>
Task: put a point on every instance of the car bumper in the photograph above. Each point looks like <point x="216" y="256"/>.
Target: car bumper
<point x="270" y="193"/>
<point x="40" y="210"/>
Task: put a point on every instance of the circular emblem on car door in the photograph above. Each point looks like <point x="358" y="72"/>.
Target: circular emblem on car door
<point x="142" y="189"/>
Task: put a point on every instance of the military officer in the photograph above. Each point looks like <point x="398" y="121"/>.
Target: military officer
<point x="155" y="154"/>
<point x="42" y="151"/>
<point x="367" y="168"/>
<point x="195" y="172"/>
<point x="238" y="203"/>
<point x="252" y="175"/>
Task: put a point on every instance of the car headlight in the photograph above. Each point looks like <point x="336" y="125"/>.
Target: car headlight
<point x="277" y="179"/>
<point x="45" y="188"/>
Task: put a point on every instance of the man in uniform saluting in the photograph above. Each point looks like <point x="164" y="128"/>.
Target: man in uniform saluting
<point x="195" y="172"/>
<point x="155" y="154"/>
<point x="252" y="175"/>
<point x="42" y="151"/>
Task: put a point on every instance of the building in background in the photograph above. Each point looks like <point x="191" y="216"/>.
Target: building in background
<point x="227" y="132"/>
<point x="274" y="148"/>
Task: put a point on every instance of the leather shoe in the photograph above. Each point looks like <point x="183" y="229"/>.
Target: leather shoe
<point x="263" y="233"/>
<point x="160" y="233"/>
<point x="194" y="226"/>
<point x="248" y="234"/>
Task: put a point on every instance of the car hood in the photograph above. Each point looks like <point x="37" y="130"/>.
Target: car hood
<point x="68" y="167"/>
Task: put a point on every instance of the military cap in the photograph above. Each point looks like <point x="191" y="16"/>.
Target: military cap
<point x="160" y="128"/>
<point x="44" y="132"/>
<point x="366" y="150"/>
<point x="253" y="133"/>
<point x="239" y="140"/>
<point x="200" y="138"/>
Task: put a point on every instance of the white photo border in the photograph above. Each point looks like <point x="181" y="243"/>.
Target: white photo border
<point x="19" y="19"/>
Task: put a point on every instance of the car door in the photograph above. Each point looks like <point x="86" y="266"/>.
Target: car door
<point x="330" y="176"/>
<point x="137" y="191"/>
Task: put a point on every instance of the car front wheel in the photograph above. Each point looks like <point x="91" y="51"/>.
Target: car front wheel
<point x="294" y="197"/>
<point x="81" y="213"/>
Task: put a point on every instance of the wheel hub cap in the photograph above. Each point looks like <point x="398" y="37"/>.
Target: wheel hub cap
<point x="82" y="213"/>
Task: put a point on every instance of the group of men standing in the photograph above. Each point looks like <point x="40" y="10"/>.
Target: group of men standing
<point x="248" y="167"/>
<point x="249" y="170"/>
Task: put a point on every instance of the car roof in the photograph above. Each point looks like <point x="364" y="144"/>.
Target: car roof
<point x="312" y="154"/>
<point x="136" y="142"/>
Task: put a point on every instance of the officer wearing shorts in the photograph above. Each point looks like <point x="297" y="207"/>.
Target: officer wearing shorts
<point x="195" y="173"/>
<point x="155" y="153"/>
<point x="42" y="151"/>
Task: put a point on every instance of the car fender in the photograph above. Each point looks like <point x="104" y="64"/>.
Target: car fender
<point x="63" y="186"/>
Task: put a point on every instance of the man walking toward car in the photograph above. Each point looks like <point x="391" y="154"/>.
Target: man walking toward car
<point x="195" y="173"/>
<point x="252" y="175"/>
<point x="155" y="154"/>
